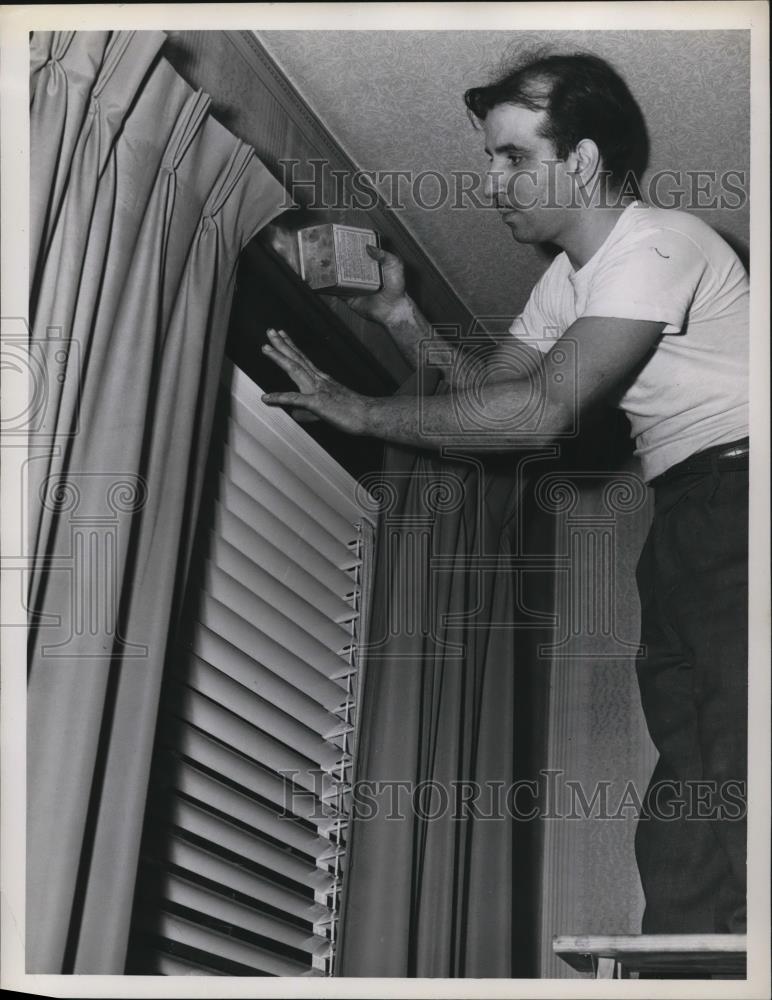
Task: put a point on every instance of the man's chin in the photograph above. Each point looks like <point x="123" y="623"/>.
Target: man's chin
<point x="521" y="235"/>
<point x="520" y="224"/>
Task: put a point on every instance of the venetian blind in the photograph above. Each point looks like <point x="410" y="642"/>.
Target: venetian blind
<point x="258" y="729"/>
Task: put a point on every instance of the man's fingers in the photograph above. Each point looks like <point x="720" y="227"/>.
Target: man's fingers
<point x="378" y="253"/>
<point x="282" y="342"/>
<point x="383" y="256"/>
<point x="295" y="369"/>
<point x="283" y="345"/>
<point x="285" y="399"/>
<point x="304" y="416"/>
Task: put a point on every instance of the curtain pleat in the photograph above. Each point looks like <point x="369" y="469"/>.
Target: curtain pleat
<point x="433" y="895"/>
<point x="141" y="204"/>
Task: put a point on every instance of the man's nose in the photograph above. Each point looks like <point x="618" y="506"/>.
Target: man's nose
<point x="493" y="187"/>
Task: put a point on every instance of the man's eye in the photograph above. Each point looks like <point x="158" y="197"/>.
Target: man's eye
<point x="514" y="159"/>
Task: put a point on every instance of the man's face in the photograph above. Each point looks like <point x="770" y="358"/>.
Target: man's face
<point x="530" y="187"/>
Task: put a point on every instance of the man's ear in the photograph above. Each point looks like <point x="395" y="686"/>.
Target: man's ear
<point x="586" y="160"/>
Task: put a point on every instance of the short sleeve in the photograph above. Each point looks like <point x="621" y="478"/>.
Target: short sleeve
<point x="655" y="278"/>
<point x="537" y="324"/>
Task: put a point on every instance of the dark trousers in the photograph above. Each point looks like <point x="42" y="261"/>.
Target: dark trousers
<point x="693" y="581"/>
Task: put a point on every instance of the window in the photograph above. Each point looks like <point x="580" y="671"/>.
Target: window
<point x="244" y="850"/>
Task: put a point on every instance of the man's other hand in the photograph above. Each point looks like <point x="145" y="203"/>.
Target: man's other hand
<point x="318" y="393"/>
<point x="391" y="300"/>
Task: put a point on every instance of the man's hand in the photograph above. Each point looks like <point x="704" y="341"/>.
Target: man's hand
<point x="391" y="300"/>
<point x="318" y="393"/>
<point x="393" y="308"/>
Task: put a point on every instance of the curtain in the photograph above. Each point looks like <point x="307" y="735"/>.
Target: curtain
<point x="430" y="888"/>
<point x="140" y="205"/>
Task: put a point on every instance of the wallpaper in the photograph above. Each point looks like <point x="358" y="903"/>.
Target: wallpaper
<point x="394" y="101"/>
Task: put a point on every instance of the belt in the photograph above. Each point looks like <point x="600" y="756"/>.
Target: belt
<point x="733" y="455"/>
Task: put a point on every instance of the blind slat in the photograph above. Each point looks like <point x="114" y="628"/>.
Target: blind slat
<point x="258" y="712"/>
<point x="216" y="943"/>
<point x="286" y="538"/>
<point x="308" y="460"/>
<point x="202" y="824"/>
<point x="272" y="592"/>
<point x="283" y="507"/>
<point x="169" y="965"/>
<point x="208" y="791"/>
<point x="246" y="635"/>
<point x="298" y="798"/>
<point x="291" y="572"/>
<point x="202" y="862"/>
<point x="247" y="671"/>
<point x="271" y="459"/>
<point x="234" y="731"/>
<point x="272" y="623"/>
<point x="175" y="889"/>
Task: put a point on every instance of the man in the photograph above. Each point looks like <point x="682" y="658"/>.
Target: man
<point x="656" y="304"/>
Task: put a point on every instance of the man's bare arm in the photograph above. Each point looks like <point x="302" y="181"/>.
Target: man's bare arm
<point x="607" y="349"/>
<point x="396" y="311"/>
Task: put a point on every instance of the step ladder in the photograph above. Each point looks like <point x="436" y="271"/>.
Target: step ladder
<point x="621" y="956"/>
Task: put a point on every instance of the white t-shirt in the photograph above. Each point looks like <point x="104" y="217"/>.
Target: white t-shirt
<point x="670" y="267"/>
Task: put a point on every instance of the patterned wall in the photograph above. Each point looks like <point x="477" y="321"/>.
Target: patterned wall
<point x="393" y="99"/>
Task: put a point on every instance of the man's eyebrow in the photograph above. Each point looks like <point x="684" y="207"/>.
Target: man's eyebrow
<point x="508" y="147"/>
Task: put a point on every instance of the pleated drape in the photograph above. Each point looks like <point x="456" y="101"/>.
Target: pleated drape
<point x="430" y="888"/>
<point x="140" y="205"/>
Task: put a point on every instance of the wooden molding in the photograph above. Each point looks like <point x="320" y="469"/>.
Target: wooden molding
<point x="253" y="98"/>
<point x="442" y="305"/>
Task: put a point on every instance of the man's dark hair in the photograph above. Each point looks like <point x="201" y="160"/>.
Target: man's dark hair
<point x="585" y="98"/>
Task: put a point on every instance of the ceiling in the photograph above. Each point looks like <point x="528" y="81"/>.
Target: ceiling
<point x="393" y="101"/>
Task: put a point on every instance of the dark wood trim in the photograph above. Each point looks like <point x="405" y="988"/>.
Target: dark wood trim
<point x="440" y="303"/>
<point x="287" y="128"/>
